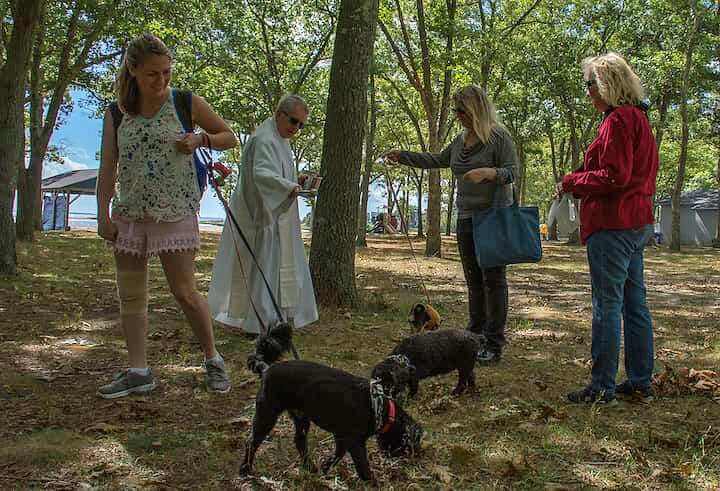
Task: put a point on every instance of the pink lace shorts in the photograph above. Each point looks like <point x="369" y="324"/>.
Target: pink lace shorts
<point x="152" y="238"/>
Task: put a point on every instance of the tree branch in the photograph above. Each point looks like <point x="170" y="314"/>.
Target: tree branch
<point x="406" y="37"/>
<point x="410" y="113"/>
<point x="444" y="126"/>
<point x="102" y="58"/>
<point x="412" y="76"/>
<point x="313" y="59"/>
<point x="509" y="30"/>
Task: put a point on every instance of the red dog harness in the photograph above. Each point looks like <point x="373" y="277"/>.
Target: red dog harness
<point x="391" y="417"/>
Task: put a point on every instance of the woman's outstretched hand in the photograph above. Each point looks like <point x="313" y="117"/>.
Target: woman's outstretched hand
<point x="392" y="155"/>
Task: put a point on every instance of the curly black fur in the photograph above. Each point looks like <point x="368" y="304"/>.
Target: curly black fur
<point x="336" y="401"/>
<point x="270" y="347"/>
<point x="430" y="354"/>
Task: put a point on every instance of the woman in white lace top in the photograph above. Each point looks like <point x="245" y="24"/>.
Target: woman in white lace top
<point x="147" y="171"/>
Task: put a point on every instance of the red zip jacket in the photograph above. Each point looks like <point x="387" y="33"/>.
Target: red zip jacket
<point x="617" y="182"/>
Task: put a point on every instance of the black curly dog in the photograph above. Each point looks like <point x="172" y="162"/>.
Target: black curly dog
<point x="427" y="355"/>
<point x="336" y="401"/>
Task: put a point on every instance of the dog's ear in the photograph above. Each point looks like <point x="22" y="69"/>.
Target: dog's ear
<point x="417" y="317"/>
<point x="282" y="331"/>
<point x="432" y="318"/>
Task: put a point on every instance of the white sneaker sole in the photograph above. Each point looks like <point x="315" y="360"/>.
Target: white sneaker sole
<point x="139" y="389"/>
<point x="216" y="391"/>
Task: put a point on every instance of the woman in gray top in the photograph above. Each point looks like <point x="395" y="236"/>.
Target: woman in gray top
<point x="484" y="161"/>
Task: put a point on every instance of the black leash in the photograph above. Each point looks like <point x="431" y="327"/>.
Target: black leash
<point x="207" y="157"/>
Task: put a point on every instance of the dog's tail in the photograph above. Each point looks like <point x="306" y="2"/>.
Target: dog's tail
<point x="270" y="347"/>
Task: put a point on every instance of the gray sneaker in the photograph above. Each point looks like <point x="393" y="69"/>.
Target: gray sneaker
<point x="126" y="383"/>
<point x="216" y="378"/>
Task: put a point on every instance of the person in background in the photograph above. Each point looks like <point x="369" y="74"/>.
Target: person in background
<point x="148" y="173"/>
<point x="484" y="161"/>
<point x="265" y="205"/>
<point x="616" y="187"/>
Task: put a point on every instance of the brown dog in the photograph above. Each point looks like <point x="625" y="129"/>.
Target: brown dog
<point x="423" y="318"/>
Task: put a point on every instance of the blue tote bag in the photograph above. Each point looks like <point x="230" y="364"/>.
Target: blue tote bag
<point x="506" y="234"/>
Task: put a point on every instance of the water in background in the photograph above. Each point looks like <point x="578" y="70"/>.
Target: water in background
<point x="88" y="221"/>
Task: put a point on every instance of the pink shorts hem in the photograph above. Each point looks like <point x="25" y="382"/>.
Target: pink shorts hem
<point x="153" y="238"/>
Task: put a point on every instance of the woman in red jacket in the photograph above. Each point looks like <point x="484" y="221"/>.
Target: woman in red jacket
<point x="616" y="185"/>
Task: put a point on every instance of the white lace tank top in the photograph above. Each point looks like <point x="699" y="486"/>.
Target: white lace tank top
<point x="154" y="181"/>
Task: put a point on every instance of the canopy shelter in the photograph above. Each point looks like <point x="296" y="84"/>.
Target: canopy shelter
<point x="63" y="187"/>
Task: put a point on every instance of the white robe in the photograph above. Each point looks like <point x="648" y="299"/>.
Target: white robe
<point x="271" y="223"/>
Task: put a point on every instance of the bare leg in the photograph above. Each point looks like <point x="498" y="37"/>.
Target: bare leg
<point x="179" y="270"/>
<point x="134" y="325"/>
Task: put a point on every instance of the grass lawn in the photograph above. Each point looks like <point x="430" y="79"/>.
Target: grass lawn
<point x="59" y="340"/>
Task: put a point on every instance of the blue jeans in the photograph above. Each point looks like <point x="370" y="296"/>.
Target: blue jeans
<point x="618" y="295"/>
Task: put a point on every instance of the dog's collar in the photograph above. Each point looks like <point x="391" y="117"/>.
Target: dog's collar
<point x="391" y="416"/>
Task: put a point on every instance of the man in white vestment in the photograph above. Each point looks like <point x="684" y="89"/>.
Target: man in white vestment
<point x="264" y="203"/>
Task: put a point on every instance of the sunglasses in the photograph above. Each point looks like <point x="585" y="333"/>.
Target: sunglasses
<point x="590" y="83"/>
<point x="295" y="121"/>
<point x="459" y="110"/>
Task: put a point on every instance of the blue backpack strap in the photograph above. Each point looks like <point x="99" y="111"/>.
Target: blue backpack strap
<point x="117" y="116"/>
<point x="182" y="100"/>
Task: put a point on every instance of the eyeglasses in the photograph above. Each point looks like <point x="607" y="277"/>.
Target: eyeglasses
<point x="295" y="121"/>
<point x="459" y="110"/>
<point x="590" y="83"/>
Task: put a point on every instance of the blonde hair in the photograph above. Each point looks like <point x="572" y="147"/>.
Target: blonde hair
<point x="476" y="103"/>
<point x="126" y="88"/>
<point x="616" y="82"/>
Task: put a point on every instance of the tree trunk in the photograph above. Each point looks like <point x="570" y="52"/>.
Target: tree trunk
<point x="389" y="188"/>
<point x="662" y="118"/>
<point x="716" y="242"/>
<point x="369" y="157"/>
<point x="332" y="253"/>
<point x="433" y="242"/>
<point x="28" y="192"/>
<point x="13" y="75"/>
<point x="420" y="232"/>
<point x="42" y="128"/>
<point x="451" y="204"/>
<point x="682" y="160"/>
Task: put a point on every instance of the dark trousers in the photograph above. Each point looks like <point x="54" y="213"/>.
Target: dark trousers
<point x="487" y="291"/>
